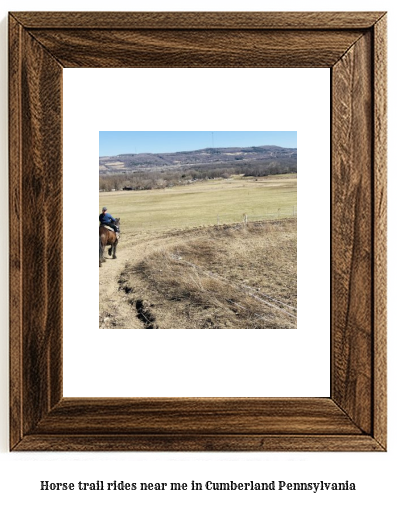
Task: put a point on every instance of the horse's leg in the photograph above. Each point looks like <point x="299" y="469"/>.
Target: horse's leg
<point x="101" y="257"/>
<point x="114" y="249"/>
<point x="110" y="251"/>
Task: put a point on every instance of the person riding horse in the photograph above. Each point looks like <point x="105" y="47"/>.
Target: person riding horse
<point x="109" y="234"/>
<point x="107" y="219"/>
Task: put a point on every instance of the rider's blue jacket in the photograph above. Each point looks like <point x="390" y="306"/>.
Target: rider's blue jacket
<point x="106" y="218"/>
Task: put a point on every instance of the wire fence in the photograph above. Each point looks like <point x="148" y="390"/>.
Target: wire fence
<point x="170" y="219"/>
<point x="280" y="213"/>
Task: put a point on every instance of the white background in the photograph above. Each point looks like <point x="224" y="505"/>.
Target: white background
<point x="373" y="473"/>
<point x="199" y="362"/>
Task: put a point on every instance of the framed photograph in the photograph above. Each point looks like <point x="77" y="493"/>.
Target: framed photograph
<point x="353" y="47"/>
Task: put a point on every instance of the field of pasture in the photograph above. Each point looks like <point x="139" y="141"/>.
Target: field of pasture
<point x="214" y="254"/>
<point x="201" y="203"/>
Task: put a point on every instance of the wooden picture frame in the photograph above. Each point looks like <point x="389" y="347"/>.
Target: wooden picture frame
<point x="353" y="46"/>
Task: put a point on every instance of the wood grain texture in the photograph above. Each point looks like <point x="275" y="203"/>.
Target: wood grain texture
<point x="352" y="233"/>
<point x="15" y="221"/>
<point x="41" y="83"/>
<point x="36" y="167"/>
<point x="353" y="45"/>
<point x="196" y="48"/>
<point x="380" y="230"/>
<point x="199" y="443"/>
<point x="202" y="20"/>
<point x="301" y="416"/>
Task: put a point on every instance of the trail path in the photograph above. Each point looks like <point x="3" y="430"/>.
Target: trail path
<point x="116" y="307"/>
<point x="130" y="298"/>
<point x="115" y="310"/>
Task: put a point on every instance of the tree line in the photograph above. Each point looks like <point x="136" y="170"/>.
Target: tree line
<point x="166" y="178"/>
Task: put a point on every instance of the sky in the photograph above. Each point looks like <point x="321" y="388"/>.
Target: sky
<point x="123" y="142"/>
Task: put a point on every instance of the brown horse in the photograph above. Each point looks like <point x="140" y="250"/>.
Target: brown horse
<point x="107" y="238"/>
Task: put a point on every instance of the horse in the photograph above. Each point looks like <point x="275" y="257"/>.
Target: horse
<point x="107" y="238"/>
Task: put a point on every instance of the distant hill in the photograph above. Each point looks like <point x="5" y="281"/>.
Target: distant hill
<point x="214" y="157"/>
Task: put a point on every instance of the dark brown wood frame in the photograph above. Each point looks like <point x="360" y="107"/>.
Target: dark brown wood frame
<point x="353" y="46"/>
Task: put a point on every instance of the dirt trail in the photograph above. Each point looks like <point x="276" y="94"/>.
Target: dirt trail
<point x="115" y="309"/>
<point x="120" y="305"/>
<point x="136" y="288"/>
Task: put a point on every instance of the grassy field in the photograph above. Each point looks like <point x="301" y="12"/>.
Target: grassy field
<point x="186" y="260"/>
<point x="223" y="277"/>
<point x="201" y="203"/>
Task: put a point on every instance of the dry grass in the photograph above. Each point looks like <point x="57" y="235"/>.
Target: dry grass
<point x="222" y="277"/>
<point x="202" y="204"/>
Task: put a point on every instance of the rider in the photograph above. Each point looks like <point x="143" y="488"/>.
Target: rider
<point x="107" y="219"/>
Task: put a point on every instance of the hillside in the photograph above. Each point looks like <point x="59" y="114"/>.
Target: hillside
<point x="213" y="156"/>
